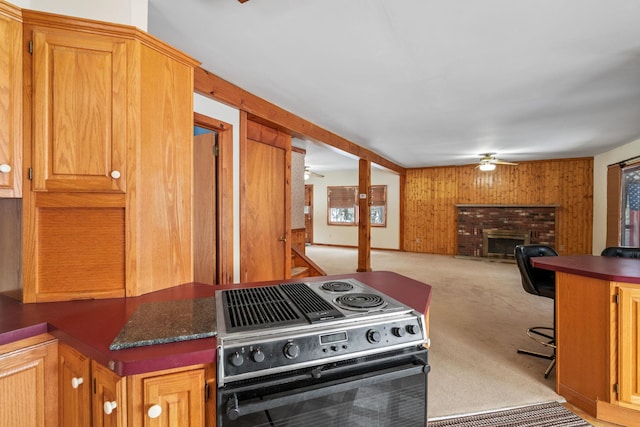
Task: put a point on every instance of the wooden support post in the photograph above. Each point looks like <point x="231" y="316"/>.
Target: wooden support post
<point x="364" y="226"/>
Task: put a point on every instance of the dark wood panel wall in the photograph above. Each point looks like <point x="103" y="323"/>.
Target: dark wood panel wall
<point x="430" y="221"/>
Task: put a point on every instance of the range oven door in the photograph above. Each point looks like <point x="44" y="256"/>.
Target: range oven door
<point x="375" y="391"/>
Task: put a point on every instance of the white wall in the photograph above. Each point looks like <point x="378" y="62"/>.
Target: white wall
<point x="382" y="238"/>
<point x="219" y="111"/>
<point x="600" y="163"/>
<point x="127" y="12"/>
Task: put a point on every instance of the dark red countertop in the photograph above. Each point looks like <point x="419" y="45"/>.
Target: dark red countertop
<point x="599" y="267"/>
<point x="91" y="325"/>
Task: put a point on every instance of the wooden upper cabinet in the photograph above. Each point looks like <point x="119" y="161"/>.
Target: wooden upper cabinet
<point x="10" y="102"/>
<point x="108" y="126"/>
<point x="79" y="111"/>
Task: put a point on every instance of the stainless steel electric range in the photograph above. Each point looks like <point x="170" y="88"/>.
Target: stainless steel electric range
<point x="319" y="354"/>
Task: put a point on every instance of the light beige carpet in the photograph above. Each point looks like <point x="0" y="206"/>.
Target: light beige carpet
<point x="479" y="315"/>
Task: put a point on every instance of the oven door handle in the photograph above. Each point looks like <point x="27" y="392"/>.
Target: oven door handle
<point x="236" y="409"/>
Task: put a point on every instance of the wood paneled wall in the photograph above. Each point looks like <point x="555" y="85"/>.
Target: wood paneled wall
<point x="430" y="220"/>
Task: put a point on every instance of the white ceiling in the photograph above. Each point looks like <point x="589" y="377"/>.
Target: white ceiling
<point x="430" y="82"/>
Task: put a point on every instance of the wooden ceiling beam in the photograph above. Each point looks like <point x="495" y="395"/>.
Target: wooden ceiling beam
<point x="212" y="86"/>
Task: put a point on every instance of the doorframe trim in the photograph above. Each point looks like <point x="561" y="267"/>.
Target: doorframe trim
<point x="224" y="202"/>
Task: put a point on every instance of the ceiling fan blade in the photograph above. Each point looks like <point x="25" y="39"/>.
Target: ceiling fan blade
<point x="502" y="162"/>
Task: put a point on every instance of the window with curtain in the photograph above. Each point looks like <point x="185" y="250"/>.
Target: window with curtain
<point x="342" y="205"/>
<point x="378" y="205"/>
<point x="630" y="208"/>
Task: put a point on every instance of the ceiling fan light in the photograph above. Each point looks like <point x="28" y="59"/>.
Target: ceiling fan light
<point x="487" y="167"/>
<point x="306" y="175"/>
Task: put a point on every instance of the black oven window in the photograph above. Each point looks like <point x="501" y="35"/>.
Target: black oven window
<point x="394" y="403"/>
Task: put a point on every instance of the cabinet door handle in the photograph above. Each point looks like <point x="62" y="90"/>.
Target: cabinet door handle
<point x="154" y="411"/>
<point x="5" y="168"/>
<point x="76" y="381"/>
<point x="115" y="174"/>
<point x="109" y="407"/>
<point x="282" y="239"/>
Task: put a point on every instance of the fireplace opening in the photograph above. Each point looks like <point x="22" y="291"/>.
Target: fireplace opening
<point x="501" y="243"/>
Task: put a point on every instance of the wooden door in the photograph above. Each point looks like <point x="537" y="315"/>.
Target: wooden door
<point x="79" y="111"/>
<point x="204" y="209"/>
<point x="74" y="374"/>
<point x="265" y="204"/>
<point x="171" y="400"/>
<point x="308" y="214"/>
<point x="10" y="105"/>
<point x="29" y="382"/>
<point x="629" y="346"/>
<point x="109" y="401"/>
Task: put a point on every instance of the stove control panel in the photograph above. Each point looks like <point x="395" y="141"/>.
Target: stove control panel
<point x="287" y="351"/>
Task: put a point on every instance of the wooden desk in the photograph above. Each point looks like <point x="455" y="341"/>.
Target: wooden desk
<point x="598" y="334"/>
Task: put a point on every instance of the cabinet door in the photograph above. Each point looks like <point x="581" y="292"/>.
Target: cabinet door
<point x="171" y="400"/>
<point x="79" y="112"/>
<point x="109" y="401"/>
<point x="629" y="346"/>
<point x="10" y="106"/>
<point x="28" y="383"/>
<point x="74" y="373"/>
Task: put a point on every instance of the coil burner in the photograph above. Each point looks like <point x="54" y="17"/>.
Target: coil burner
<point x="337" y="286"/>
<point x="360" y="302"/>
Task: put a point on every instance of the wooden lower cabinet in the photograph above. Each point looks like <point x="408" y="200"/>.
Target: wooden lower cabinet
<point x="628" y="317"/>
<point x="93" y="395"/>
<point x="109" y="400"/>
<point x="173" y="399"/>
<point x="598" y="355"/>
<point x="28" y="382"/>
<point x="74" y="386"/>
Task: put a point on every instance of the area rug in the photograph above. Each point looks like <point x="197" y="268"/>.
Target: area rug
<point x="551" y="414"/>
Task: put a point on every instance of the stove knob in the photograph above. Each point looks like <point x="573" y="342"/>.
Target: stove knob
<point x="257" y="356"/>
<point x="291" y="350"/>
<point x="236" y="359"/>
<point x="373" y="336"/>
<point x="412" y="329"/>
<point x="398" y="332"/>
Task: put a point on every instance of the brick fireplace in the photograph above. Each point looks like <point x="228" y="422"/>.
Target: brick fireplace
<point x="492" y="231"/>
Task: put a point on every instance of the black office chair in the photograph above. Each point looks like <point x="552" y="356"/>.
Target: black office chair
<point x="542" y="283"/>
<point x="621" y="252"/>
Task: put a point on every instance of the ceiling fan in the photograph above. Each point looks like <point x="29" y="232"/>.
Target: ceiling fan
<point x="309" y="173"/>
<point x="488" y="162"/>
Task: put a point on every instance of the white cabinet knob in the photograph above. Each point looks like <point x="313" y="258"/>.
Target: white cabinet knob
<point x="5" y="168"/>
<point x="76" y="381"/>
<point x="109" y="407"/>
<point x="154" y="411"/>
<point x="115" y="174"/>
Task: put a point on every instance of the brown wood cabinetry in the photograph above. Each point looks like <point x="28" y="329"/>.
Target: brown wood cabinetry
<point x="598" y="334"/>
<point x="108" y="129"/>
<point x="79" y="110"/>
<point x="93" y="395"/>
<point x="109" y="400"/>
<point x="629" y="345"/>
<point x="74" y="386"/>
<point x="172" y="399"/>
<point x="28" y="382"/>
<point x="10" y="101"/>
